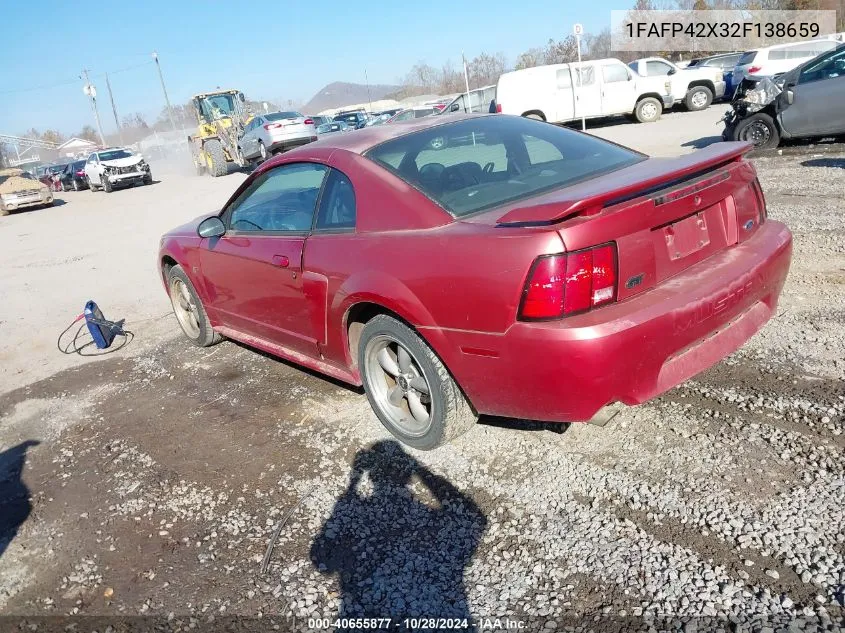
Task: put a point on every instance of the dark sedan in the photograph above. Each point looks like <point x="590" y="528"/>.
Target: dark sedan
<point x="73" y="177"/>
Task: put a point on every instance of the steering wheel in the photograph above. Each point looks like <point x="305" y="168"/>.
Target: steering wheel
<point x="488" y="168"/>
<point x="238" y="221"/>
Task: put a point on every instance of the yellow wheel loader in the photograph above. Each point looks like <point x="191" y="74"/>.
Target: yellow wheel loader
<point x="221" y="117"/>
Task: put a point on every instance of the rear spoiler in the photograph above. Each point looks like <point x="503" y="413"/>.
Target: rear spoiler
<point x="631" y="182"/>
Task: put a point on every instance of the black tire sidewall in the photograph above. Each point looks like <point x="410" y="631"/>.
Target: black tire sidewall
<point x="703" y="89"/>
<point x="387" y="326"/>
<point x="774" y="137"/>
<point x="638" y="114"/>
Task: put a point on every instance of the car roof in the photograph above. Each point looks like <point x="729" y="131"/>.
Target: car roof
<point x="361" y="140"/>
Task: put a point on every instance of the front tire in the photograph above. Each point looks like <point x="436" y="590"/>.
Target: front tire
<point x="759" y="129"/>
<point x="214" y="151"/>
<point x="148" y="179"/>
<point x="189" y="310"/>
<point x="648" y="110"/>
<point x="698" y="98"/>
<point x="409" y="388"/>
<point x="262" y="151"/>
<point x="107" y="186"/>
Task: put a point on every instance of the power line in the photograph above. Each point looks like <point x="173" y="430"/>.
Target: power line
<point x="73" y="81"/>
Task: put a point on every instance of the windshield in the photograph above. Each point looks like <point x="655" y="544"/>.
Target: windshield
<point x="470" y="166"/>
<point x="217" y="106"/>
<point x="348" y="118"/>
<point x="278" y="116"/>
<point x="115" y="154"/>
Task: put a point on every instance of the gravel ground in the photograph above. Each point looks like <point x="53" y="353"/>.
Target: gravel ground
<point x="164" y="471"/>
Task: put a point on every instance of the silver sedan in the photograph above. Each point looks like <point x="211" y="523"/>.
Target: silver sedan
<point x="276" y="132"/>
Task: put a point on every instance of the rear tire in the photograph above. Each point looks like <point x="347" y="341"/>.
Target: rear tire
<point x="91" y="186"/>
<point x="262" y="151"/>
<point x="397" y="369"/>
<point x="75" y="184"/>
<point x="698" y="98"/>
<point x="189" y="310"/>
<point x="214" y="150"/>
<point x="648" y="110"/>
<point x="759" y="129"/>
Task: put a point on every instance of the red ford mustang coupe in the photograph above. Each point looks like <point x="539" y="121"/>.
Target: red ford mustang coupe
<point x="485" y="265"/>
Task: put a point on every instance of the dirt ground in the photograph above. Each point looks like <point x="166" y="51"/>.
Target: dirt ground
<point x="151" y="480"/>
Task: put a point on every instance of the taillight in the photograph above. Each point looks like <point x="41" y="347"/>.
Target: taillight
<point x="271" y="126"/>
<point x="308" y="121"/>
<point x="754" y="69"/>
<point x="761" y="200"/>
<point x="569" y="283"/>
<point x="498" y="108"/>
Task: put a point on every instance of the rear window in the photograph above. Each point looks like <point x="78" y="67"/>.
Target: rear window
<point x="278" y="116"/>
<point x="747" y="58"/>
<point x="470" y="166"/>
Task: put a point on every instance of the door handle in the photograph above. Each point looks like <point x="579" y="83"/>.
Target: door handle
<point x="281" y="261"/>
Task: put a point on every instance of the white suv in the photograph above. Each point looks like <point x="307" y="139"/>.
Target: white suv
<point x="116" y="167"/>
<point x="776" y="60"/>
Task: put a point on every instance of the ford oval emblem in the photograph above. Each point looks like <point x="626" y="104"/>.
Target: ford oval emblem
<point x="748" y="225"/>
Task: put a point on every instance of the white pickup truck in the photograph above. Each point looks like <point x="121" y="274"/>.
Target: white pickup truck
<point x="558" y="93"/>
<point x="695" y="87"/>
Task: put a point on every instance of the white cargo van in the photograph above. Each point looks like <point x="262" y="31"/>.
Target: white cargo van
<point x="598" y="88"/>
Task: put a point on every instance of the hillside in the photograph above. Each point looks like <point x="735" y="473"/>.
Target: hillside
<point x="340" y="93"/>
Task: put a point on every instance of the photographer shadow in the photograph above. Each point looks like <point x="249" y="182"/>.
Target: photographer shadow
<point x="399" y="538"/>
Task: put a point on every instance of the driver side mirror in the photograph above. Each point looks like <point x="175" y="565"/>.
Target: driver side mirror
<point x="672" y="71"/>
<point x="455" y="107"/>
<point x="790" y="96"/>
<point x="211" y="227"/>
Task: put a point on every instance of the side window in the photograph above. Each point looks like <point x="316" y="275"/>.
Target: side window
<point x="282" y="199"/>
<point x="655" y="68"/>
<point x="337" y="204"/>
<point x="564" y="80"/>
<point x="827" y="66"/>
<point x="614" y="72"/>
<point x="540" y="151"/>
<point x="777" y="54"/>
<point x="585" y="76"/>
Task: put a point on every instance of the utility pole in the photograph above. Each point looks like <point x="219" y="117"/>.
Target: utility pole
<point x="369" y="98"/>
<point x="91" y="91"/>
<point x="114" y="110"/>
<point x="164" y="90"/>
<point x="467" y="105"/>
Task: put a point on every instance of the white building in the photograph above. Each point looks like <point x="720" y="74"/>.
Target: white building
<point x="76" y="148"/>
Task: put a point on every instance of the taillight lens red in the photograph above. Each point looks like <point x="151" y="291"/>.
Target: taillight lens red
<point x="761" y="200"/>
<point x="308" y="121"/>
<point x="754" y="69"/>
<point x="569" y="283"/>
<point x="271" y="126"/>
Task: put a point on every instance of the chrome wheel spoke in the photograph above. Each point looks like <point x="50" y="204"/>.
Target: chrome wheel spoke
<point x="404" y="360"/>
<point x="395" y="395"/>
<point x="419" y="384"/>
<point x="417" y="408"/>
<point x="388" y="362"/>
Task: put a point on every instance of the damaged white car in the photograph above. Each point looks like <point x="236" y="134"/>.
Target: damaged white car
<point x="116" y="167"/>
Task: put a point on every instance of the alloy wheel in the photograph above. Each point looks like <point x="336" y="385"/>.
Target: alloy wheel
<point x="399" y="388"/>
<point x="184" y="308"/>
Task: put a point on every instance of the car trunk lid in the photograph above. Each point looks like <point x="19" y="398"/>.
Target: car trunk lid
<point x="664" y="215"/>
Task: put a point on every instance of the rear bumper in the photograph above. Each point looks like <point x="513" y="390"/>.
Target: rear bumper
<point x="282" y="142"/>
<point x="629" y="352"/>
<point x="720" y="89"/>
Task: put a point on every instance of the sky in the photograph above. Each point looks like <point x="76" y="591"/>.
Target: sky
<point x="270" y="51"/>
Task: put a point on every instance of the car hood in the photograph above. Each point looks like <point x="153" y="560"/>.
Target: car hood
<point x="123" y="162"/>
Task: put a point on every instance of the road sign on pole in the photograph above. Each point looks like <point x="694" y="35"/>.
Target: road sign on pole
<point x="578" y="30"/>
